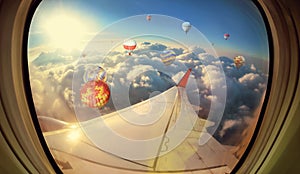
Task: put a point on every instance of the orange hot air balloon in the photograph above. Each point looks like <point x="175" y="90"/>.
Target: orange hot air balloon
<point x="95" y="94"/>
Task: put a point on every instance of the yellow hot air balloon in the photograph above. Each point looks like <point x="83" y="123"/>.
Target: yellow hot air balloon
<point x="239" y="61"/>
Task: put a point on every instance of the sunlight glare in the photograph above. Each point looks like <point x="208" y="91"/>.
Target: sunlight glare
<point x="65" y="31"/>
<point x="74" y="135"/>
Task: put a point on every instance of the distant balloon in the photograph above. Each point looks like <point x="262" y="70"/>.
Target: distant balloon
<point x="129" y="45"/>
<point x="148" y="17"/>
<point x="95" y="73"/>
<point x="239" y="61"/>
<point x="168" y="57"/>
<point x="186" y="26"/>
<point x="95" y="94"/>
<point x="226" y="36"/>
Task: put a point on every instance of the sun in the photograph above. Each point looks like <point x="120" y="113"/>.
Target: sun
<point x="65" y="31"/>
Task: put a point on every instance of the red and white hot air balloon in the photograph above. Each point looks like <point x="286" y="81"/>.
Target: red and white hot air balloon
<point x="148" y="17"/>
<point x="129" y="45"/>
<point x="226" y="36"/>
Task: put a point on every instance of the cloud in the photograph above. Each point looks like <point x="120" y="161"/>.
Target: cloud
<point x="149" y="83"/>
<point x="251" y="80"/>
<point x="244" y="86"/>
<point x="146" y="43"/>
<point x="229" y="124"/>
<point x="252" y="67"/>
<point x="157" y="47"/>
<point x="136" y="71"/>
<point x="56" y="57"/>
<point x="177" y="51"/>
<point x="212" y="77"/>
<point x="245" y="90"/>
<point x="51" y="86"/>
<point x="197" y="50"/>
<point x="57" y="77"/>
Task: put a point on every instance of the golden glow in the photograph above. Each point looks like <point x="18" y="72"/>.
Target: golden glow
<point x="73" y="126"/>
<point x="74" y="135"/>
<point x="65" y="30"/>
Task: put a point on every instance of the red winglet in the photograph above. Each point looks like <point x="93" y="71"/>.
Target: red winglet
<point x="185" y="78"/>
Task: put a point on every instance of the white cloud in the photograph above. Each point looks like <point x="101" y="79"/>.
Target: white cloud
<point x="251" y="80"/>
<point x="213" y="77"/>
<point x="252" y="67"/>
<point x="53" y="94"/>
<point x="51" y="90"/>
<point x="137" y="70"/>
<point x="229" y="124"/>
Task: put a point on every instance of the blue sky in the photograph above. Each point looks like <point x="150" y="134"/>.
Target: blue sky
<point x="213" y="18"/>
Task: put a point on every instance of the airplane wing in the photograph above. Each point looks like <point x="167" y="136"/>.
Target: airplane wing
<point x="160" y="134"/>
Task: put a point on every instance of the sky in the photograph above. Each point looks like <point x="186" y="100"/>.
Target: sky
<point x="77" y="21"/>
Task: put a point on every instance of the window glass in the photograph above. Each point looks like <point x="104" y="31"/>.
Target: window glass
<point x="148" y="86"/>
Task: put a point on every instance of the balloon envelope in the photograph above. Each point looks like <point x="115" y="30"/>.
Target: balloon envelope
<point x="239" y="61"/>
<point x="94" y="73"/>
<point x="129" y="45"/>
<point x="186" y="26"/>
<point x="95" y="94"/>
<point x="148" y="17"/>
<point x="226" y="36"/>
<point x="168" y="57"/>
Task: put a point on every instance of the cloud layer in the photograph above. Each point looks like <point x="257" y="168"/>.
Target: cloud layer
<point x="56" y="79"/>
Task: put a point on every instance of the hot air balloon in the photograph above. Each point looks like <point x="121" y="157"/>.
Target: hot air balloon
<point x="129" y="45"/>
<point x="186" y="26"/>
<point x="148" y="17"/>
<point x="83" y="55"/>
<point x="94" y="73"/>
<point x="226" y="36"/>
<point x="95" y="94"/>
<point x="168" y="57"/>
<point x="239" y="61"/>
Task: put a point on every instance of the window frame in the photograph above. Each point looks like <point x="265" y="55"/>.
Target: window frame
<point x="27" y="153"/>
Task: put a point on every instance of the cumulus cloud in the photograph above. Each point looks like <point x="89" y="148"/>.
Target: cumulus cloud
<point x="252" y="67"/>
<point x="157" y="47"/>
<point x="212" y="77"/>
<point x="245" y="90"/>
<point x="148" y="84"/>
<point x="57" y="57"/>
<point x="57" y="77"/>
<point x="197" y="50"/>
<point x="251" y="80"/>
<point x="51" y="77"/>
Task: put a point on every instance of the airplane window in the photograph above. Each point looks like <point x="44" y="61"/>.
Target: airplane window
<point x="148" y="86"/>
